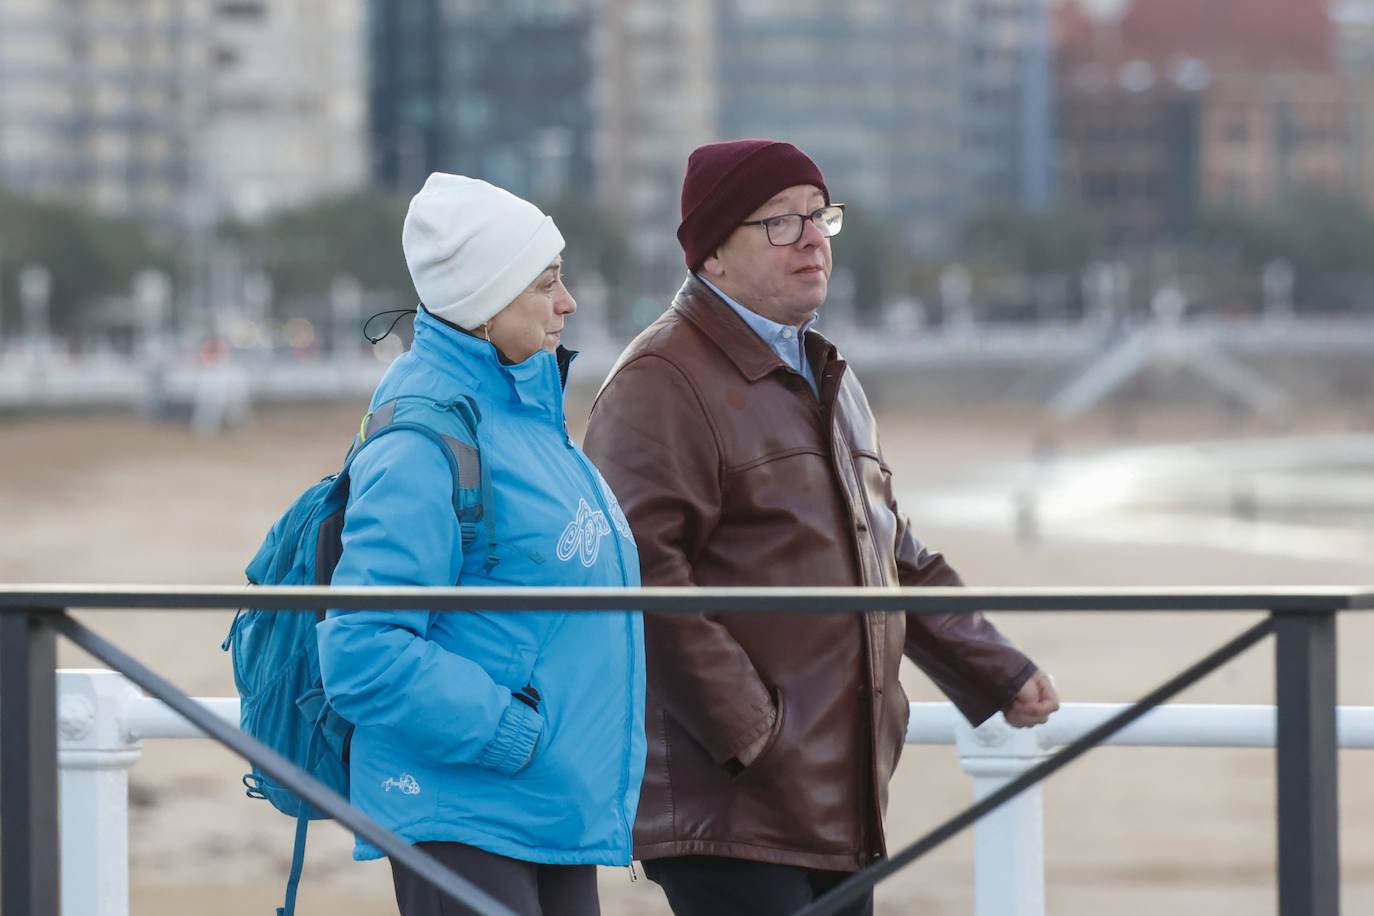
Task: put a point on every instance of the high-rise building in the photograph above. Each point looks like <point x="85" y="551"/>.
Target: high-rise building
<point x="656" y="99"/>
<point x="910" y="109"/>
<point x="180" y="112"/>
<point x="103" y="102"/>
<point x="288" y="119"/>
<point x="1007" y="102"/>
<point x="500" y="90"/>
<point x="1181" y="105"/>
<point x="869" y="89"/>
<point x="1353" y="21"/>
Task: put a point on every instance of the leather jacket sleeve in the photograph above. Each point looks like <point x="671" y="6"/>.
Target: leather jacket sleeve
<point x="651" y="440"/>
<point x="964" y="654"/>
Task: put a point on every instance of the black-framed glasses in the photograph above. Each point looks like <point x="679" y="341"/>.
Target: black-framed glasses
<point x="786" y="228"/>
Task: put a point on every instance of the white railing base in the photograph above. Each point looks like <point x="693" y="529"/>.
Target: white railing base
<point x="103" y="720"/>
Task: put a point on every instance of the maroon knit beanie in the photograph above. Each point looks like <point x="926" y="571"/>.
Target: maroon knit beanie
<point x="726" y="182"/>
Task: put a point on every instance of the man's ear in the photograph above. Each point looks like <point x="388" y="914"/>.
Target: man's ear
<point x="712" y="266"/>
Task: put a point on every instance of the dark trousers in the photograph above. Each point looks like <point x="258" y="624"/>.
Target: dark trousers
<point x="526" y="887"/>
<point x="717" y="886"/>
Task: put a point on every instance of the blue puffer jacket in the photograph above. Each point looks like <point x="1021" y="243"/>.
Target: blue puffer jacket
<point x="442" y="750"/>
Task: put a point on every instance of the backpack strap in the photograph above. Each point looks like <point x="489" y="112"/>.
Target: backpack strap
<point x="297" y="860"/>
<point x="463" y="456"/>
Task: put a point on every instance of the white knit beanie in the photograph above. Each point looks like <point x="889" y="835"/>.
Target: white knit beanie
<point x="472" y="247"/>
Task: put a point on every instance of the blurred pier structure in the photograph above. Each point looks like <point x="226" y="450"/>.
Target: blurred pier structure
<point x="1262" y="364"/>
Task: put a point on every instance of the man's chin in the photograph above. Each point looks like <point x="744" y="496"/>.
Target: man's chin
<point x="813" y="297"/>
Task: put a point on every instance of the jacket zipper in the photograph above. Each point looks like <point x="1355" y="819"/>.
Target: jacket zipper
<point x="869" y="790"/>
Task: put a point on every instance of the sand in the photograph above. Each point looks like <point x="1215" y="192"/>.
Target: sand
<point x="115" y="499"/>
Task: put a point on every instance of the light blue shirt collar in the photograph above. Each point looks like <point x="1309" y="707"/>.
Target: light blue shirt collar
<point x="782" y="339"/>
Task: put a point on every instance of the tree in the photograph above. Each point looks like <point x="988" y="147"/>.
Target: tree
<point x="304" y="249"/>
<point x="89" y="256"/>
<point x="359" y="233"/>
<point x="1061" y="239"/>
<point x="871" y="247"/>
<point x="595" y="242"/>
<point x="1326" y="238"/>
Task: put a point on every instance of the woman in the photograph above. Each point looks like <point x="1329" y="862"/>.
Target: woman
<point x="509" y="746"/>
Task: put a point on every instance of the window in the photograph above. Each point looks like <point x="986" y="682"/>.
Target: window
<point x="1237" y="189"/>
<point x="242" y="9"/>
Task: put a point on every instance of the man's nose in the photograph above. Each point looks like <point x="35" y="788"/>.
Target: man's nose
<point x="811" y="234"/>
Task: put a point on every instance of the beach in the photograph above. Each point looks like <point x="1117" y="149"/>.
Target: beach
<point x="124" y="500"/>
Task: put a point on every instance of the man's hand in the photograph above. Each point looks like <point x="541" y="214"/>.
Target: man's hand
<point x="1034" y="702"/>
<point x="751" y="753"/>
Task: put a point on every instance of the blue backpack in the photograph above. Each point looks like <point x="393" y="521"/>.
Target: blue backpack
<point x="275" y="657"/>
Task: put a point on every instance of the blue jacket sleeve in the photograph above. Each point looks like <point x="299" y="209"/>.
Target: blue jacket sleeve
<point x="379" y="668"/>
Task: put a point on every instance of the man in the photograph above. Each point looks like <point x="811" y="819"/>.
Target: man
<point x="744" y="452"/>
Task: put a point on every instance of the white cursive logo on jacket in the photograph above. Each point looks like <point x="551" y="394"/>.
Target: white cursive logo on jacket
<point x="583" y="534"/>
<point x="405" y="782"/>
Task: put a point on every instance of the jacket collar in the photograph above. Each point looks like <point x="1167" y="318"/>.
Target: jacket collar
<point x="538" y="380"/>
<point x="754" y="359"/>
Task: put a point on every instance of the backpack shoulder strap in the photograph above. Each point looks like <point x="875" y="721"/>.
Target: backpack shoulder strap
<point x="452" y="425"/>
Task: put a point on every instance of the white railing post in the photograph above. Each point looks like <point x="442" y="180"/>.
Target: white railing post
<point x="1009" y="843"/>
<point x="94" y="753"/>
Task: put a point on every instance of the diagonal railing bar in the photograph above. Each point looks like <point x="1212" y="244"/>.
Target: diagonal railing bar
<point x="850" y="889"/>
<point x="284" y="771"/>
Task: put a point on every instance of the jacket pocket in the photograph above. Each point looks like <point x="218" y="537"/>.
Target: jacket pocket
<point x="761" y="762"/>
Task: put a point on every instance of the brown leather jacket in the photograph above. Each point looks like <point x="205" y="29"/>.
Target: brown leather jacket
<point x="733" y="473"/>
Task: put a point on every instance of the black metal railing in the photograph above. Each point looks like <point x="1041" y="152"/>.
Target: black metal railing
<point x="1302" y="621"/>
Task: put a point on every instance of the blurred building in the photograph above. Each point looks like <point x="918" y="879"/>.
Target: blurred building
<point x="288" y="120"/>
<point x="482" y="87"/>
<point x="1006" y="74"/>
<point x="1183" y="104"/>
<point x="869" y="89"/>
<point x="103" y="102"/>
<point x="178" y="112"/>
<point x="925" y="110"/>
<point x="1353" y="21"/>
<point x="921" y="110"/>
<point x="1262" y="134"/>
<point x="656" y="98"/>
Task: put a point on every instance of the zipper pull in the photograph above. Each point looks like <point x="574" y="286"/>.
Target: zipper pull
<point x="634" y="876"/>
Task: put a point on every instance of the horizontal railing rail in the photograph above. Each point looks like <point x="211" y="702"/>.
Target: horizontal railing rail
<point x="103" y="721"/>
<point x="1300" y="600"/>
<point x="1301" y="619"/>
<point x="936" y="724"/>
